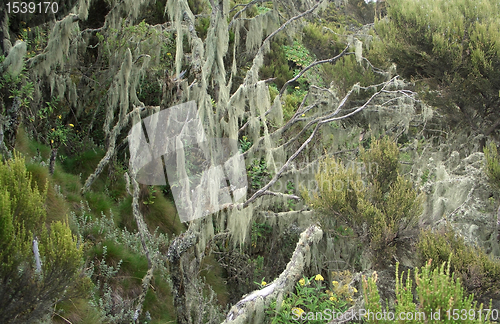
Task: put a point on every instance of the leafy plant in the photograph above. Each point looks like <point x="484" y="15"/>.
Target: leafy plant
<point x="245" y="143"/>
<point x="151" y="196"/>
<point x="476" y="269"/>
<point x="257" y="171"/>
<point x="22" y="220"/>
<point x="373" y="199"/>
<point x="440" y="296"/>
<point x="298" y="54"/>
<point x="311" y="295"/>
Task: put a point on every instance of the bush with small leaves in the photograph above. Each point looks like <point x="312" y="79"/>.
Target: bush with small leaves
<point x="29" y="289"/>
<point x="472" y="265"/>
<point x="371" y="197"/>
<point x="441" y="299"/>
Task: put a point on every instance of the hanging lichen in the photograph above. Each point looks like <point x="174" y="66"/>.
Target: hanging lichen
<point x="14" y="62"/>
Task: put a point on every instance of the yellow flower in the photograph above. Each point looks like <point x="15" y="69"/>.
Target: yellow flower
<point x="71" y="125"/>
<point x="263" y="283"/>
<point x="303" y="115"/>
<point x="52" y="141"/>
<point x="349" y="299"/>
<point x="333" y="298"/>
<point x="302" y="282"/>
<point x="319" y="277"/>
<point x="59" y="116"/>
<point x="298" y="311"/>
<point x="53" y="129"/>
<point x="335" y="283"/>
<point x="297" y="87"/>
<point x="169" y="54"/>
<point x="329" y="293"/>
<point x="354" y="290"/>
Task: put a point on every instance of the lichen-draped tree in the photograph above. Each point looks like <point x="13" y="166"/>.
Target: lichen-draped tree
<point x="227" y="110"/>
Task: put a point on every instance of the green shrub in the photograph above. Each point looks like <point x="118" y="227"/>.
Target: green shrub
<point x="29" y="291"/>
<point x="492" y="164"/>
<point x="477" y="270"/>
<point x="383" y="155"/>
<point x="321" y="44"/>
<point x="438" y="292"/>
<point x="276" y="65"/>
<point x="369" y="197"/>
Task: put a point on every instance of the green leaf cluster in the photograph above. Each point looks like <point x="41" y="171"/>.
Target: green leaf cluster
<point x="311" y="296"/>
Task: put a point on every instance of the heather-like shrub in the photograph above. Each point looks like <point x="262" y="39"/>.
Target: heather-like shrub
<point x="476" y="269"/>
<point x="28" y="288"/>
<point x="368" y="195"/>
<point x="440" y="299"/>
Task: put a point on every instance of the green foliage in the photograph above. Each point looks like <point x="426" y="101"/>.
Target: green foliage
<point x="257" y="172"/>
<point x="322" y="44"/>
<point x="353" y="13"/>
<point x="383" y="155"/>
<point x="452" y="46"/>
<point x="425" y="176"/>
<point x="28" y="294"/>
<point x="298" y="54"/>
<point x="492" y="164"/>
<point x="202" y="25"/>
<point x="311" y="296"/>
<point x="258" y="231"/>
<point x="151" y="196"/>
<point x="292" y="101"/>
<point x="476" y="269"/>
<point x="438" y="292"/>
<point x="245" y="143"/>
<point x="276" y="65"/>
<point x="378" y="206"/>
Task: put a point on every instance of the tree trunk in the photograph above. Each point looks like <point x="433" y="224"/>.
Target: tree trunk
<point x="183" y="266"/>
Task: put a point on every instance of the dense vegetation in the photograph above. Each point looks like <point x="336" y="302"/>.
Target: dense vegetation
<point x="361" y="125"/>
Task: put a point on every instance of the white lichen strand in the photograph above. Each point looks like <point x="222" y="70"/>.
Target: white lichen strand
<point x="14" y="62"/>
